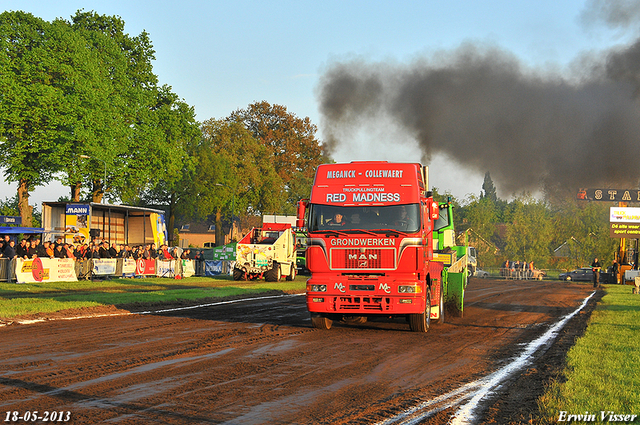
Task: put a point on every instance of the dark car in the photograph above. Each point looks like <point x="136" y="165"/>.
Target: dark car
<point x="583" y="274"/>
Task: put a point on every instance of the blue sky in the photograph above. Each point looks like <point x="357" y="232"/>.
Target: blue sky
<point x="220" y="56"/>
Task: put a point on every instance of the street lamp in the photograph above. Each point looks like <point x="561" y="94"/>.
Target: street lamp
<point x="104" y="182"/>
<point x="233" y="207"/>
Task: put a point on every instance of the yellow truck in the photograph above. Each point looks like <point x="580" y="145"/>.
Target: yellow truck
<point x="269" y="252"/>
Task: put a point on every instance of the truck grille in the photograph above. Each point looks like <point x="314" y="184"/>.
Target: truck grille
<point x="357" y="258"/>
<point x="362" y="303"/>
<point x="362" y="287"/>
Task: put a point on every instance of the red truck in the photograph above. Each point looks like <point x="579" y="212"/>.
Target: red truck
<point x="371" y="246"/>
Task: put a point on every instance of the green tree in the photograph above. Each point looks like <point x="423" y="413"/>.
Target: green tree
<point x="127" y="137"/>
<point x="235" y="172"/>
<point x="480" y="218"/>
<point x="46" y="73"/>
<point x="585" y="226"/>
<point x="9" y="206"/>
<point x="529" y="230"/>
<point x="174" y="189"/>
<point x="488" y="189"/>
<point x="290" y="142"/>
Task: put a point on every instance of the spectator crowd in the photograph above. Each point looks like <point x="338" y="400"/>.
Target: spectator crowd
<point x="29" y="248"/>
<point x="519" y="270"/>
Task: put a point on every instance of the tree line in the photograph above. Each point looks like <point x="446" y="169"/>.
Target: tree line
<point x="554" y="230"/>
<point x="79" y="102"/>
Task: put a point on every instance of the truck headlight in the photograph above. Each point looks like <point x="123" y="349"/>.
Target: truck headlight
<point x="409" y="289"/>
<point x="317" y="288"/>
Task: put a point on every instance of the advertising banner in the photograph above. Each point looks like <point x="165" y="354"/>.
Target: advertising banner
<point x="624" y="215"/>
<point x="624" y="230"/>
<point x="188" y="268"/>
<point x="166" y="268"/>
<point x="45" y="270"/>
<point x="104" y="266"/>
<point x="128" y="266"/>
<point x="77" y="209"/>
<point x="212" y="268"/>
<point x="9" y="219"/>
<point x="624" y="222"/>
<point x="76" y="223"/>
<point x="145" y="267"/>
<point x="225" y="252"/>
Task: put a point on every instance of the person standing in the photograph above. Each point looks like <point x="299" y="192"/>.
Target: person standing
<point x="21" y="249"/>
<point x="113" y="250"/>
<point x="32" y="250"/>
<point x="60" y="252"/>
<point x="4" y="243"/>
<point x="103" y="250"/>
<point x="153" y="252"/>
<point x="595" y="267"/>
<point x="614" y="271"/>
<point x="41" y="250"/>
<point x="9" y="250"/>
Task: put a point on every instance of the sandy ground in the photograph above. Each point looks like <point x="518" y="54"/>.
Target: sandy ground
<point x="261" y="362"/>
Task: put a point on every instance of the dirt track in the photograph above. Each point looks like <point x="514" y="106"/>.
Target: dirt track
<point x="260" y="362"/>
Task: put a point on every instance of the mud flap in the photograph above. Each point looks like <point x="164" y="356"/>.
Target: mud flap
<point x="454" y="296"/>
<point x="435" y="299"/>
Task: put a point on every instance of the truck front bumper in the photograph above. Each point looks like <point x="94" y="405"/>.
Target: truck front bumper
<point x="364" y="304"/>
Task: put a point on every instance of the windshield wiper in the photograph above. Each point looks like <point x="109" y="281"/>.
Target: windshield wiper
<point x="376" y="232"/>
<point x="368" y="232"/>
<point x="393" y="232"/>
<point x="335" y="233"/>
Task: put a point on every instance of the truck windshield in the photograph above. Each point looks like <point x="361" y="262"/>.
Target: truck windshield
<point x="443" y="219"/>
<point x="405" y="218"/>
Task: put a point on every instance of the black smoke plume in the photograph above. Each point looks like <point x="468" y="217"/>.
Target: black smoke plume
<point x="483" y="108"/>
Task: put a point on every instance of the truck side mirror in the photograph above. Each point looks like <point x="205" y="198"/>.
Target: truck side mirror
<point x="302" y="209"/>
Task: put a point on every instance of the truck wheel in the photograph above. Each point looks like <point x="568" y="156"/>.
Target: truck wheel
<point x="238" y="274"/>
<point x="320" y="322"/>
<point x="420" y="322"/>
<point x="274" y="274"/>
<point x="292" y="275"/>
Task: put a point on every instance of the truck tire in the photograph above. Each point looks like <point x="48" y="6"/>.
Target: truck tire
<point x="292" y="275"/>
<point x="355" y="320"/>
<point x="320" y="322"/>
<point x="420" y="322"/>
<point x="274" y="274"/>
<point x="238" y="274"/>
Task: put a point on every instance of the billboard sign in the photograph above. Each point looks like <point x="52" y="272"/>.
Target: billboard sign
<point x="624" y="222"/>
<point x="77" y="209"/>
<point x="9" y="219"/>
<point x="613" y="195"/>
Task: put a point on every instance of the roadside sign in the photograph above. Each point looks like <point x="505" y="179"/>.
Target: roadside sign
<point x="609" y="195"/>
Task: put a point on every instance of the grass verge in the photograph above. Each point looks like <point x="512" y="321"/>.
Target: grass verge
<point x="603" y="367"/>
<point x="27" y="299"/>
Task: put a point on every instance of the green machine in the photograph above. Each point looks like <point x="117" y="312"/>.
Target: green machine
<point x="453" y="257"/>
